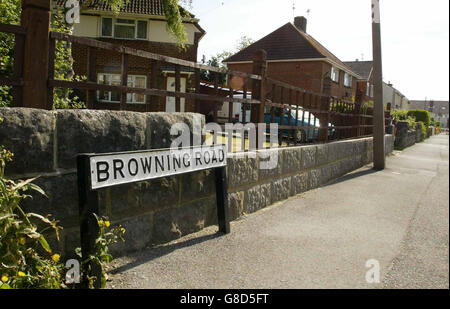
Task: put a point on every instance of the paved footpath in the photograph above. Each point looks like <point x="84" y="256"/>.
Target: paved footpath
<point x="323" y="238"/>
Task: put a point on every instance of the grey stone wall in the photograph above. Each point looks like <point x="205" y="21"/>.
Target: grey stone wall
<point x="404" y="137"/>
<point x="46" y="143"/>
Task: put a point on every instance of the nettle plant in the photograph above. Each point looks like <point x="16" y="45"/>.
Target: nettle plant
<point x="26" y="258"/>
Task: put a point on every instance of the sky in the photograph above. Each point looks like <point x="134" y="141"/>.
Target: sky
<point x="415" y="34"/>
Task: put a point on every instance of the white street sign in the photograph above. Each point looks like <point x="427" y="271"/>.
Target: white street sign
<point x="121" y="168"/>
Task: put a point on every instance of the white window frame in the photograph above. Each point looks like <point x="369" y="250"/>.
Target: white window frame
<point x="133" y="85"/>
<point x="114" y="22"/>
<point x="348" y="80"/>
<point x="335" y="74"/>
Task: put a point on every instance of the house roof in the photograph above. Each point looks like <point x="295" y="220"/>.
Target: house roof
<point x="288" y="43"/>
<point x="363" y="68"/>
<point x="145" y="7"/>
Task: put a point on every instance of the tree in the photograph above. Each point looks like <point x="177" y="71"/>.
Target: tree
<point x="243" y="43"/>
<point x="10" y="12"/>
<point x="217" y="61"/>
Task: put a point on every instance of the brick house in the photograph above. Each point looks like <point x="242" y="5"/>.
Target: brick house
<point x="295" y="57"/>
<point x="365" y="84"/>
<point x="140" y="24"/>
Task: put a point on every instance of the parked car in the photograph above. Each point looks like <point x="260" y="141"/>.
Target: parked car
<point x="304" y="135"/>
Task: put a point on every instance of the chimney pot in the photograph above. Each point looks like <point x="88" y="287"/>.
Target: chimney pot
<point x="300" y="22"/>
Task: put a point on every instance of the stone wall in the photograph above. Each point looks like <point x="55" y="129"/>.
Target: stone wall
<point x="419" y="133"/>
<point x="404" y="137"/>
<point x="46" y="143"/>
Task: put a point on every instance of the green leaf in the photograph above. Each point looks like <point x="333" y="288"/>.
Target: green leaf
<point x="5" y="286"/>
<point x="37" y="189"/>
<point x="45" y="244"/>
<point x="23" y="184"/>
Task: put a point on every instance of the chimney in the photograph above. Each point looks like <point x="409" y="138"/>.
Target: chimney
<point x="300" y="22"/>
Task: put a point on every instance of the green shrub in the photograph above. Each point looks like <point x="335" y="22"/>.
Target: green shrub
<point x="400" y="115"/>
<point x="26" y="258"/>
<point x="411" y="122"/>
<point x="424" y="130"/>
<point x="421" y="115"/>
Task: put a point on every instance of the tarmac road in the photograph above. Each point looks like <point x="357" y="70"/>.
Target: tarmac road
<point x="323" y="238"/>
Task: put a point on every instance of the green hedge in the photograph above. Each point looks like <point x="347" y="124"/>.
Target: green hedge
<point x="421" y="115"/>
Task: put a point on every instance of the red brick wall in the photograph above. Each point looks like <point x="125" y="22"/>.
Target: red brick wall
<point x="307" y="75"/>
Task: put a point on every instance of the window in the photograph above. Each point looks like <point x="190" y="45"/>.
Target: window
<point x="348" y="81"/>
<point x="135" y="81"/>
<point x="107" y="27"/>
<point x="122" y="28"/>
<point x="141" y="29"/>
<point x="335" y="74"/>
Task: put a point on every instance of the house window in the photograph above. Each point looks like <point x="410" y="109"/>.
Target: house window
<point x="335" y="74"/>
<point x="122" y="28"/>
<point x="135" y="81"/>
<point x="107" y="27"/>
<point x="141" y="29"/>
<point x="348" y="80"/>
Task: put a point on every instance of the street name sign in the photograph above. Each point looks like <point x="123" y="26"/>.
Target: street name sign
<point x="121" y="168"/>
<point x="99" y="171"/>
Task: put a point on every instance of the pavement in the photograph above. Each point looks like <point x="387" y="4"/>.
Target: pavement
<point x="398" y="217"/>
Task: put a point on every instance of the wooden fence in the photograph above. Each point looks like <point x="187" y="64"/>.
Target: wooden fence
<point x="297" y="111"/>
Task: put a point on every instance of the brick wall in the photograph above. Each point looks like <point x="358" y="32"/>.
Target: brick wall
<point x="305" y="74"/>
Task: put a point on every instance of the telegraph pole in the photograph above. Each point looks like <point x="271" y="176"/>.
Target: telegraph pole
<point x="379" y="156"/>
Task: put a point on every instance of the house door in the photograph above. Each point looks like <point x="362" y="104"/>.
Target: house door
<point x="170" y="101"/>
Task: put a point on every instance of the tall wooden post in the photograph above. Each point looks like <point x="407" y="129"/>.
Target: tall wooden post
<point x="36" y="19"/>
<point x="325" y="110"/>
<point x="259" y="88"/>
<point x="379" y="157"/>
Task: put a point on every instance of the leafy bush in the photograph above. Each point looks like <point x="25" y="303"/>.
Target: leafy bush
<point x="421" y="115"/>
<point x="424" y="129"/>
<point x="400" y="115"/>
<point x="101" y="257"/>
<point x="22" y="265"/>
<point x="411" y="123"/>
<point x="26" y="259"/>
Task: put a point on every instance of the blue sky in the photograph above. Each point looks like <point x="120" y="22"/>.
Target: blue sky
<point x="415" y="34"/>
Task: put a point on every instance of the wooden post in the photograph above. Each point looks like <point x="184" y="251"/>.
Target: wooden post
<point x="36" y="19"/>
<point x="197" y="90"/>
<point x="123" y="96"/>
<point x="154" y="100"/>
<point x="379" y="156"/>
<point x="259" y="89"/>
<point x="177" y="88"/>
<point x="222" y="199"/>
<point x="89" y="229"/>
<point x="325" y="110"/>
<point x="92" y="76"/>
<point x="51" y="72"/>
<point x="18" y="68"/>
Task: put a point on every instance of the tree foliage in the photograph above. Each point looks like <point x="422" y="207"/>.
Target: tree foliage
<point x="217" y="60"/>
